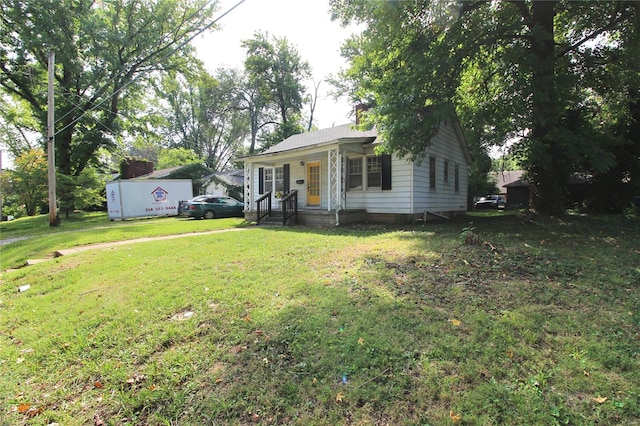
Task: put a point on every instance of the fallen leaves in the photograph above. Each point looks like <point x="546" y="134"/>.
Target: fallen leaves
<point x="455" y="418"/>
<point x="600" y="399"/>
<point x="339" y="397"/>
<point x="455" y="322"/>
<point x="136" y="379"/>
<point x="27" y="410"/>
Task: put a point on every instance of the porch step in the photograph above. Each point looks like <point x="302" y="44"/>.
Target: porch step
<point x="270" y="221"/>
<point x="275" y="219"/>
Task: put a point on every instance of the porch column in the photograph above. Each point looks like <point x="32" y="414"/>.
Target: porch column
<point x="335" y="180"/>
<point x="248" y="186"/>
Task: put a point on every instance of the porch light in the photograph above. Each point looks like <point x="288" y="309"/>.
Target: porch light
<point x="302" y="163"/>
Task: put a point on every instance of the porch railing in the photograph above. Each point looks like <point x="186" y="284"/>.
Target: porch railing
<point x="263" y="206"/>
<point x="289" y="207"/>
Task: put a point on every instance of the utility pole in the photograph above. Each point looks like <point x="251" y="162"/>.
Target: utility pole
<point x="53" y="207"/>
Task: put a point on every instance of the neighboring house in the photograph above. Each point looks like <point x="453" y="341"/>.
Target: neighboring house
<point x="226" y="183"/>
<point x="518" y="193"/>
<point x="195" y="172"/>
<point x="160" y="174"/>
<point x="576" y="194"/>
<point x="340" y="179"/>
<point x="504" y="178"/>
<point x="511" y="186"/>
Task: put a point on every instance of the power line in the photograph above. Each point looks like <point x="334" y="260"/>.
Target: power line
<point x="68" y="99"/>
<point x="181" y="45"/>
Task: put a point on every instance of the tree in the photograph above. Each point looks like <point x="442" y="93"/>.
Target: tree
<point x="276" y="71"/>
<point x="17" y="125"/>
<point x="174" y="157"/>
<point x="516" y="67"/>
<point x="506" y="162"/>
<point x="256" y="105"/>
<point x="83" y="192"/>
<point x="105" y="52"/>
<point x="27" y="183"/>
<point x="205" y="114"/>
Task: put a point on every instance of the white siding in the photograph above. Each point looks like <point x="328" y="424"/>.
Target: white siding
<point x="297" y="172"/>
<point x="396" y="200"/>
<point x="443" y="198"/>
<point x="215" y="188"/>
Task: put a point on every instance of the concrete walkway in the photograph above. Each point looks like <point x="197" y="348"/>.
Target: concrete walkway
<point x="80" y="249"/>
<point x="11" y="240"/>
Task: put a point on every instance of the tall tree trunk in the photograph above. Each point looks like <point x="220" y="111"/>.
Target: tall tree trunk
<point x="546" y="170"/>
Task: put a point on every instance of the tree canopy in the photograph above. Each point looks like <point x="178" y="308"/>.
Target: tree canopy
<point x="276" y="73"/>
<point x="548" y="74"/>
<point x="105" y="54"/>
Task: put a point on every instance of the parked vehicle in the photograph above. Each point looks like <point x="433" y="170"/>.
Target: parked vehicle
<point x="491" y="202"/>
<point x="212" y="206"/>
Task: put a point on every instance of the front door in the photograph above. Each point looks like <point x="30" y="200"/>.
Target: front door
<point x="313" y="184"/>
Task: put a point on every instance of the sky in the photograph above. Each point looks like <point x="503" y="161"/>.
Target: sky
<point x="307" y="26"/>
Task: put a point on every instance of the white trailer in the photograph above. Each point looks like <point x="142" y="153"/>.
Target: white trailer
<point x="146" y="197"/>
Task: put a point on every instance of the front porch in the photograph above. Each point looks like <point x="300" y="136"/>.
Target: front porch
<point x="315" y="218"/>
<point x="318" y="177"/>
<point x="286" y="211"/>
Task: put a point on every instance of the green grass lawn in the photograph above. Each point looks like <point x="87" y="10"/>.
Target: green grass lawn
<point x="538" y="323"/>
<point x="91" y="228"/>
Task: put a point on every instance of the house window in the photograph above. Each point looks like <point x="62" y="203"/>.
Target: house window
<point x="268" y="180"/>
<point x="355" y="173"/>
<point x="374" y="172"/>
<point x="445" y="171"/>
<point x="456" y="177"/>
<point x="279" y="180"/>
<point x="432" y="172"/>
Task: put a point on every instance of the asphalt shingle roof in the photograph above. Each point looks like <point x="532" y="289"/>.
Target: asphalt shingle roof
<point x="318" y="137"/>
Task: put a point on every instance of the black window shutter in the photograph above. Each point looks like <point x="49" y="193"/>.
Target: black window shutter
<point x="261" y="180"/>
<point x="285" y="172"/>
<point x="386" y="171"/>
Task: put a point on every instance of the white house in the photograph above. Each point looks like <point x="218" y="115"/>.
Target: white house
<point x="228" y="182"/>
<point x="336" y="177"/>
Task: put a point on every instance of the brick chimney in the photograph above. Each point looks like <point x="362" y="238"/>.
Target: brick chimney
<point x="131" y="168"/>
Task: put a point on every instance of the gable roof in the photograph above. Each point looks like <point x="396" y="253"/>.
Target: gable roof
<point x="228" y="177"/>
<point x="344" y="132"/>
<point x="507" y="177"/>
<point x="159" y="174"/>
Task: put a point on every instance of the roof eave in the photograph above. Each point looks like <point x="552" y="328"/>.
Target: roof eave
<point x="341" y="141"/>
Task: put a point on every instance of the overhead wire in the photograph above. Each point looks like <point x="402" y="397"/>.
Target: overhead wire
<point x="178" y="47"/>
<point x="78" y="107"/>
